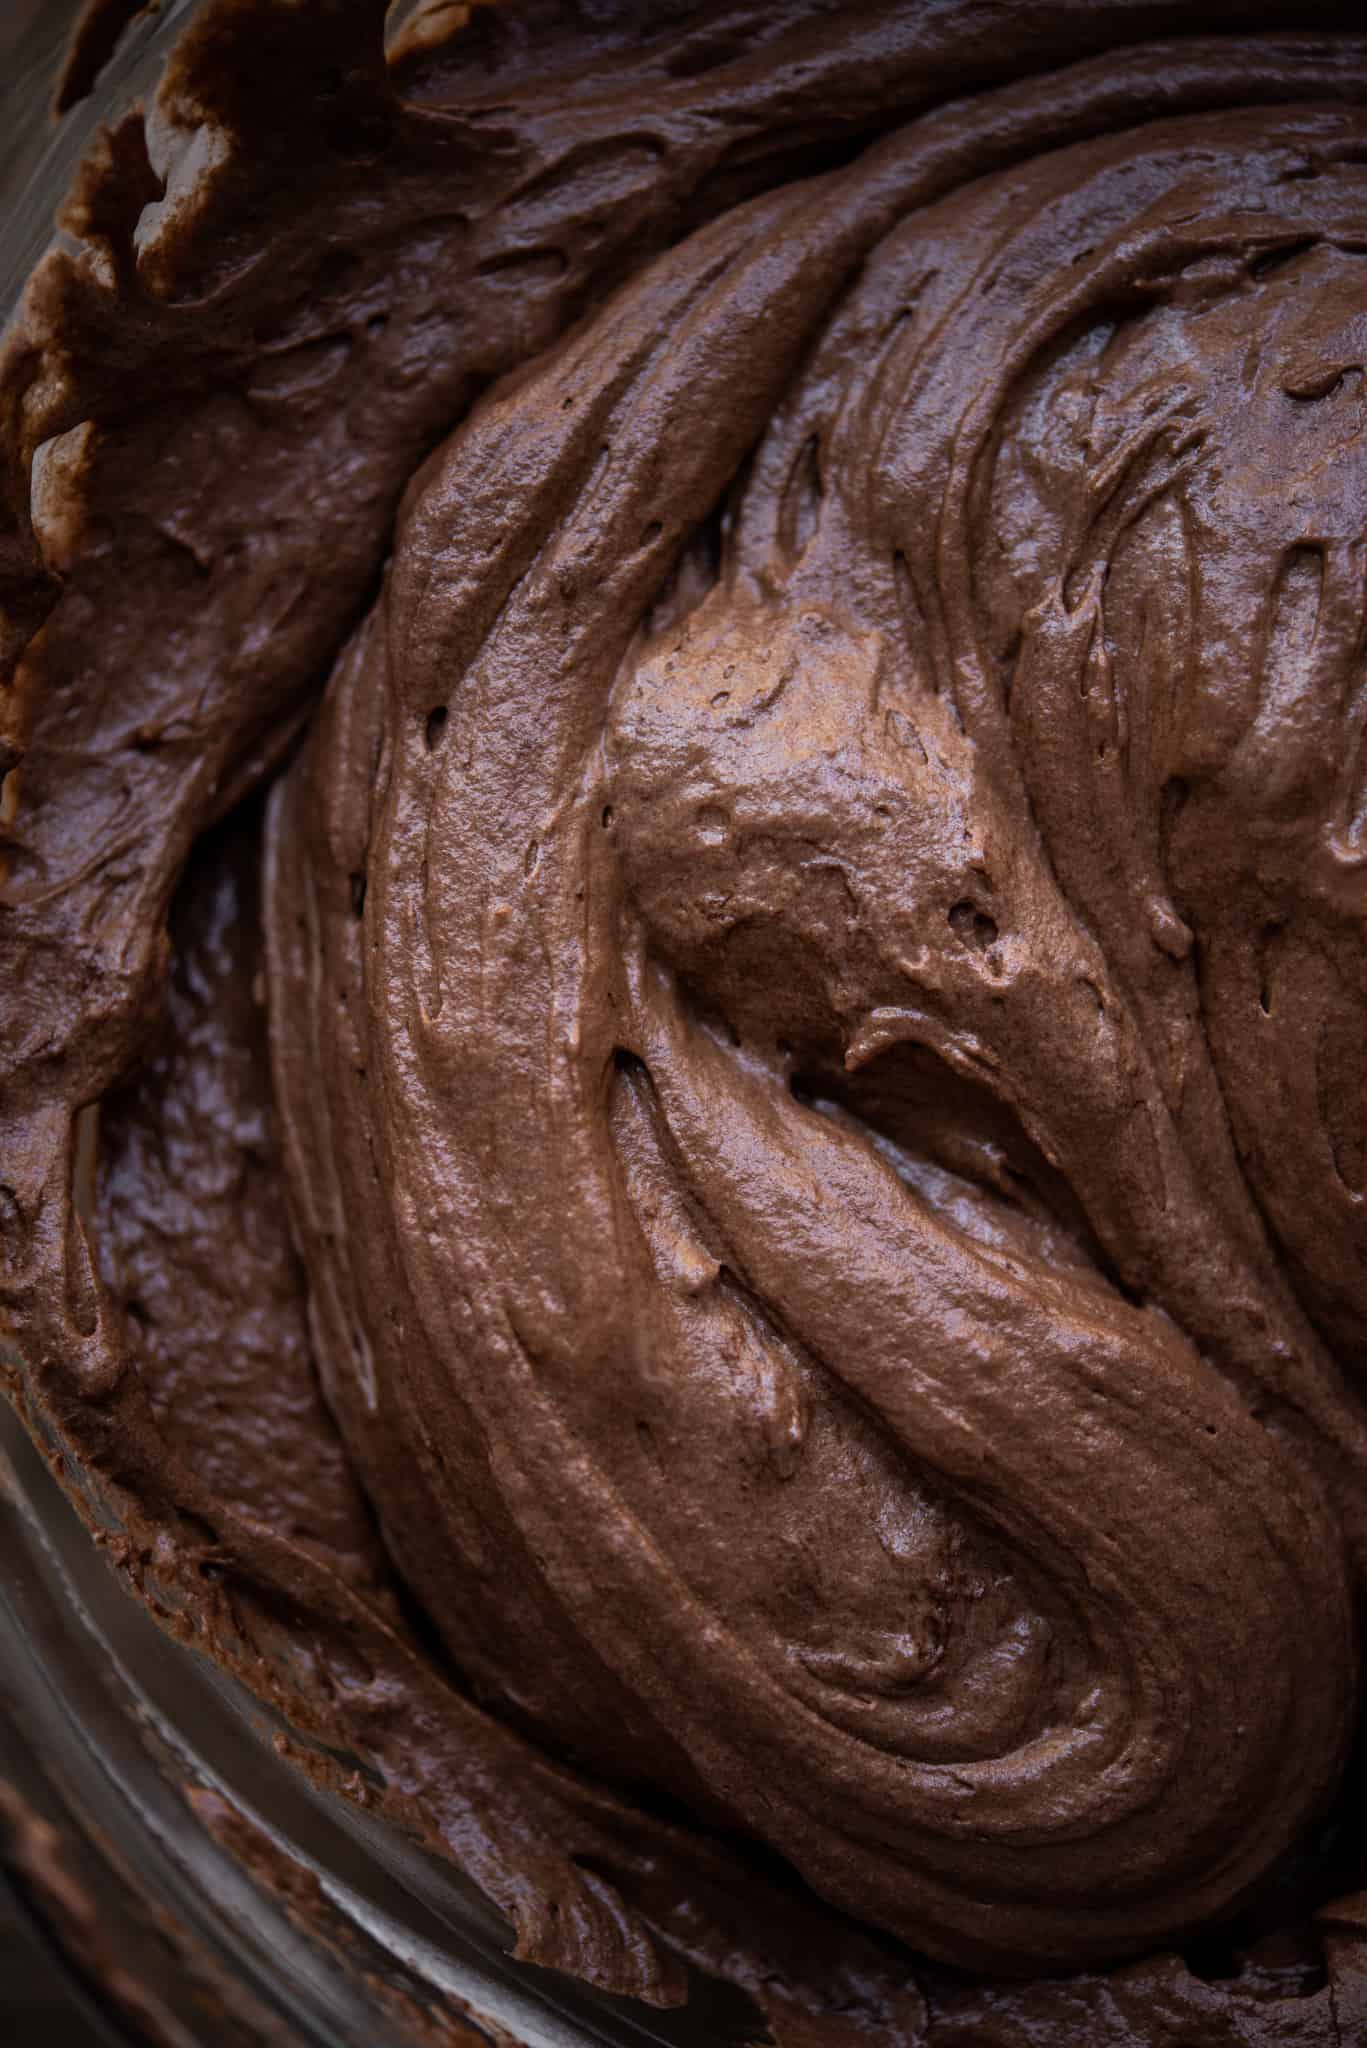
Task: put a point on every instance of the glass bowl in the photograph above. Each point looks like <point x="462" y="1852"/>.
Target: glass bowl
<point x="201" y="1890"/>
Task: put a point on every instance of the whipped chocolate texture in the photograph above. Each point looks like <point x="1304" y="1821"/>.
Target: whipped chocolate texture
<point x="683" y="1149"/>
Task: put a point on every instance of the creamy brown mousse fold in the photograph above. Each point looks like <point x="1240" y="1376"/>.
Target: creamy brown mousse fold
<point x="765" y="1120"/>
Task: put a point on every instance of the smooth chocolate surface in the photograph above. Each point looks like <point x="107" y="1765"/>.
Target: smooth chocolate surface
<point x="683" y="985"/>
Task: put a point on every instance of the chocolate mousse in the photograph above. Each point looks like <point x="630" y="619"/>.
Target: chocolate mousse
<point x="683" y="1146"/>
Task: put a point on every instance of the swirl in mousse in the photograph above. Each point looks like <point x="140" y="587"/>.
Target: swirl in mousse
<point x="747" y="707"/>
